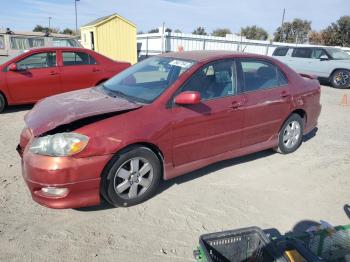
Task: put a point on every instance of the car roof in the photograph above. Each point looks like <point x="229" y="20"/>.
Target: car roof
<point x="200" y="56"/>
<point x="51" y="48"/>
<point x="308" y="47"/>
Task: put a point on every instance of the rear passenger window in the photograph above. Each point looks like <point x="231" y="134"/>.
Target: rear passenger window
<point x="261" y="75"/>
<point x="77" y="58"/>
<point x="280" y="51"/>
<point x="302" y="52"/>
<point x="282" y="79"/>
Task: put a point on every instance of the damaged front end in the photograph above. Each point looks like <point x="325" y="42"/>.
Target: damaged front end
<point x="68" y="112"/>
<point x="55" y="131"/>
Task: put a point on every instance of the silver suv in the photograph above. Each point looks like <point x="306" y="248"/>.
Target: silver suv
<point x="331" y="64"/>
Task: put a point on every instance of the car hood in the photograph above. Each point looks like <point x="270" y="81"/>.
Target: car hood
<point x="65" y="108"/>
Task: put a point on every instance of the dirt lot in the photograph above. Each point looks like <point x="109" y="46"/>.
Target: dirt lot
<point x="264" y="189"/>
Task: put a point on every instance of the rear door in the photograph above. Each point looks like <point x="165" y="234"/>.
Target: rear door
<point x="213" y="126"/>
<point x="79" y="70"/>
<point x="268" y="100"/>
<point x="37" y="77"/>
<point x="300" y="60"/>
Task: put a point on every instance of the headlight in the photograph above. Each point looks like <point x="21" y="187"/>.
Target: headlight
<point x="62" y="144"/>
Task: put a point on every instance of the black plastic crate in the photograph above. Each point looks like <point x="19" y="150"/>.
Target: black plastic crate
<point x="247" y="244"/>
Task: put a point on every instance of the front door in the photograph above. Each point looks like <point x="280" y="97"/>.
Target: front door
<point x="37" y="77"/>
<point x="319" y="67"/>
<point x="213" y="126"/>
<point x="268" y="100"/>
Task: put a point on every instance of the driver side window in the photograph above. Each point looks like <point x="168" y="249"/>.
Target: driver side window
<point x="40" y="60"/>
<point x="215" y="80"/>
<point x="317" y="53"/>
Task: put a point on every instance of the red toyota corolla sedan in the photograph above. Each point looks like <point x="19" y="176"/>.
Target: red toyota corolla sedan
<point x="29" y="76"/>
<point x="161" y="118"/>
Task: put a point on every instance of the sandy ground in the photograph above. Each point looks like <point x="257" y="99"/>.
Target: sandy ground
<point x="264" y="189"/>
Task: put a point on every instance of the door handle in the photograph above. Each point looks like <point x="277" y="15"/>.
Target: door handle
<point x="285" y="94"/>
<point x="236" y="104"/>
<point x="53" y="73"/>
<point x="96" y="70"/>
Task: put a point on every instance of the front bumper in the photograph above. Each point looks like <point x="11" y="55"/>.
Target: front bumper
<point x="80" y="176"/>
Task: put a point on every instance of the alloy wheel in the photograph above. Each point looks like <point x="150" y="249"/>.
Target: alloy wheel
<point x="133" y="178"/>
<point x="291" y="134"/>
<point x="341" y="79"/>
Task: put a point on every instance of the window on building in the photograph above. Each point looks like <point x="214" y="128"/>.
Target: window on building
<point x="64" y="42"/>
<point x="2" y="42"/>
<point x="22" y="43"/>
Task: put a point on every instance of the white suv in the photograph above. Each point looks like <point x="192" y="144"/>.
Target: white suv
<point x="331" y="64"/>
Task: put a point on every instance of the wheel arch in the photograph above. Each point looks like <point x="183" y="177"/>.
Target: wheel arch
<point x="154" y="148"/>
<point x="4" y="95"/>
<point x="299" y="111"/>
<point x="330" y="76"/>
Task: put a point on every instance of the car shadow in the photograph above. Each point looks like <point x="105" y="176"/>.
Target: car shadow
<point x="347" y="210"/>
<point x="213" y="168"/>
<point x="102" y="206"/>
<point x="164" y="185"/>
<point x="324" y="82"/>
<point x="310" y="135"/>
<point x="15" y="109"/>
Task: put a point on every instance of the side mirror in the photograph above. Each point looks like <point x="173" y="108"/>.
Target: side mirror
<point x="188" y="98"/>
<point x="13" y="67"/>
<point x="323" y="58"/>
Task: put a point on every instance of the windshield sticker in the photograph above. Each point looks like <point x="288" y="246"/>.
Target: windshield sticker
<point x="180" y="63"/>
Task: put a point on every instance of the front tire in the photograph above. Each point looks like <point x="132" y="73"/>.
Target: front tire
<point x="2" y="103"/>
<point x="291" y="135"/>
<point x="340" y="79"/>
<point x="131" y="177"/>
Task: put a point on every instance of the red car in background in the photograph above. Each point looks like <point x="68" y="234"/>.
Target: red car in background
<point x="161" y="118"/>
<point x="35" y="74"/>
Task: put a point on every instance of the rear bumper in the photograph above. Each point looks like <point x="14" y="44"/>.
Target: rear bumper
<point x="80" y="177"/>
<point x="312" y="118"/>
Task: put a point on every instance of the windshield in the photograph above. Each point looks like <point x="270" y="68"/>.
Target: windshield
<point x="147" y="80"/>
<point x="5" y="59"/>
<point x="338" y="54"/>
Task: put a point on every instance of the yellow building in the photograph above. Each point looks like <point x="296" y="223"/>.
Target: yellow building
<point x="112" y="36"/>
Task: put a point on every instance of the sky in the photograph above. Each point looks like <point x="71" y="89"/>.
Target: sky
<point x="186" y="15"/>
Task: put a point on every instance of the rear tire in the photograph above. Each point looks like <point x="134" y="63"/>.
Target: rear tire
<point x="291" y="135"/>
<point x="2" y="103"/>
<point x="131" y="177"/>
<point x="340" y="79"/>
